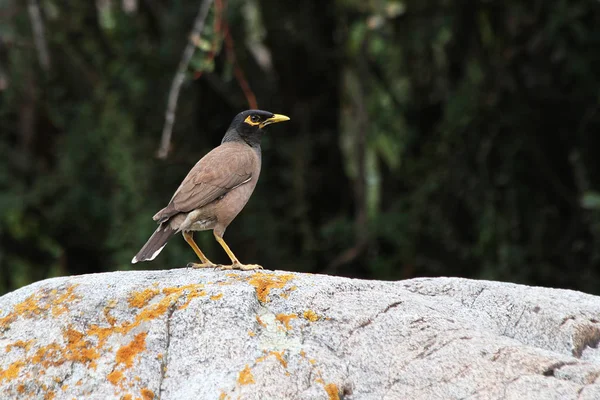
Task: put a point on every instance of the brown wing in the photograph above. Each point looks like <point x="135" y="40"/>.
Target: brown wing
<point x="223" y="169"/>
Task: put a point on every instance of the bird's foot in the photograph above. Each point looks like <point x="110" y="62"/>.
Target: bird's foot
<point x="203" y="265"/>
<point x="240" y="266"/>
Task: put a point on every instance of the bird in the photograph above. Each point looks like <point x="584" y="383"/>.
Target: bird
<point x="214" y="191"/>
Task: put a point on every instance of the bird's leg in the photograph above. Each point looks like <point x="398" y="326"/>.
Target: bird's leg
<point x="235" y="263"/>
<point x="206" y="263"/>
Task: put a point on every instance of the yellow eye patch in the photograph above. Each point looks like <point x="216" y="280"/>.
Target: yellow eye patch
<point x="249" y="121"/>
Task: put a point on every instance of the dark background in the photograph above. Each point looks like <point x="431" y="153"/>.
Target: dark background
<point x="426" y="138"/>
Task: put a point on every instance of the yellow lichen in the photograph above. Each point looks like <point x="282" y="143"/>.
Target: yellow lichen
<point x="147" y="394"/>
<point x="311" y="316"/>
<point x="277" y="354"/>
<point x="251" y="334"/>
<point x="115" y="377"/>
<point x="45" y="302"/>
<point x="332" y="391"/>
<point x="285" y="319"/>
<point x="245" y="377"/>
<point x="84" y="346"/>
<point x="216" y="296"/>
<point x="61" y="302"/>
<point x="143" y="297"/>
<point x="127" y="353"/>
<point x="78" y="348"/>
<point x="11" y="372"/>
<point x="265" y="282"/>
<point x="20" y="344"/>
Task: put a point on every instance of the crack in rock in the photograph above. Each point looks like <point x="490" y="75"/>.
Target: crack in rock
<point x="372" y="319"/>
<point x="164" y="361"/>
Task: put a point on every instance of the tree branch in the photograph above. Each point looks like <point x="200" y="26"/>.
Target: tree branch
<point x="188" y="52"/>
<point x="37" y="25"/>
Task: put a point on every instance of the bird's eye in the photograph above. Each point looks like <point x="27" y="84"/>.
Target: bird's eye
<point x="255" y="118"/>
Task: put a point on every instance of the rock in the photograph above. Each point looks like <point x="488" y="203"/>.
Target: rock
<point x="191" y="334"/>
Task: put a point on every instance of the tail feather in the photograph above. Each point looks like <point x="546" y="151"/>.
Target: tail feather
<point x="155" y="244"/>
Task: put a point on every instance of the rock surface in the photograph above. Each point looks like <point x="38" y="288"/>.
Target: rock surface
<point x="189" y="334"/>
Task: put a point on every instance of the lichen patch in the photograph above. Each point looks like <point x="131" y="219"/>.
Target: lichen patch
<point x="140" y="298"/>
<point x="264" y="282"/>
<point x="245" y="377"/>
<point x="46" y="302"/>
<point x="310" y="315"/>
<point x="277" y="354"/>
<point x="285" y="319"/>
<point x="127" y="353"/>
<point x="332" y="391"/>
<point x="20" y="344"/>
<point x="216" y="296"/>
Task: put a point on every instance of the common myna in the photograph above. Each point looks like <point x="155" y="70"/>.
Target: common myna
<point x="215" y="190"/>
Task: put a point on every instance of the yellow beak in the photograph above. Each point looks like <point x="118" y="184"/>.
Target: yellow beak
<point x="274" y="119"/>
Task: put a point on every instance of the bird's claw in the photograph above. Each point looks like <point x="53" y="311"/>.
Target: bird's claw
<point x="203" y="265"/>
<point x="240" y="266"/>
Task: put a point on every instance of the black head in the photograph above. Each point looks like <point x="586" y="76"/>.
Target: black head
<point x="248" y="125"/>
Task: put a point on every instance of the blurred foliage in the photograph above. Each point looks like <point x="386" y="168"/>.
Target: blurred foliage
<point x="427" y="137"/>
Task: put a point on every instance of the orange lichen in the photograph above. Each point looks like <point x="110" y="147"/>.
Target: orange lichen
<point x="127" y="397"/>
<point x="20" y="344"/>
<point x="260" y="321"/>
<point x="278" y="355"/>
<point x="109" y="318"/>
<point x="311" y="315"/>
<point x="332" y="391"/>
<point x="285" y="319"/>
<point x="320" y="380"/>
<point x="41" y="303"/>
<point x="286" y="294"/>
<point x="265" y="282"/>
<point x="78" y="348"/>
<point x="147" y="394"/>
<point x="64" y="387"/>
<point x="223" y="396"/>
<point x="251" y="334"/>
<point x="49" y="395"/>
<point x="11" y="372"/>
<point x="115" y="377"/>
<point x="84" y="346"/>
<point x="60" y="303"/>
<point x="143" y="297"/>
<point x="302" y="353"/>
<point x="127" y="353"/>
<point x="21" y="388"/>
<point x="216" y="296"/>
<point x="245" y="377"/>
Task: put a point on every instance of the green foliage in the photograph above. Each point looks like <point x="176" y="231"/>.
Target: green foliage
<point x="427" y="138"/>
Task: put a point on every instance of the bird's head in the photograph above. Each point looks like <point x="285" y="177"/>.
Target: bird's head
<point x="249" y="124"/>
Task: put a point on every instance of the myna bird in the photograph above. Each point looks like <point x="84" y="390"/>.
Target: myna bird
<point x="214" y="191"/>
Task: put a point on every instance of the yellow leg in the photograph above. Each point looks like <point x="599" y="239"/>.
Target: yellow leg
<point x="206" y="263"/>
<point x="235" y="263"/>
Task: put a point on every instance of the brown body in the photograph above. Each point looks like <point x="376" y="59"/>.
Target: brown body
<point x="215" y="190"/>
<point x="214" y="196"/>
